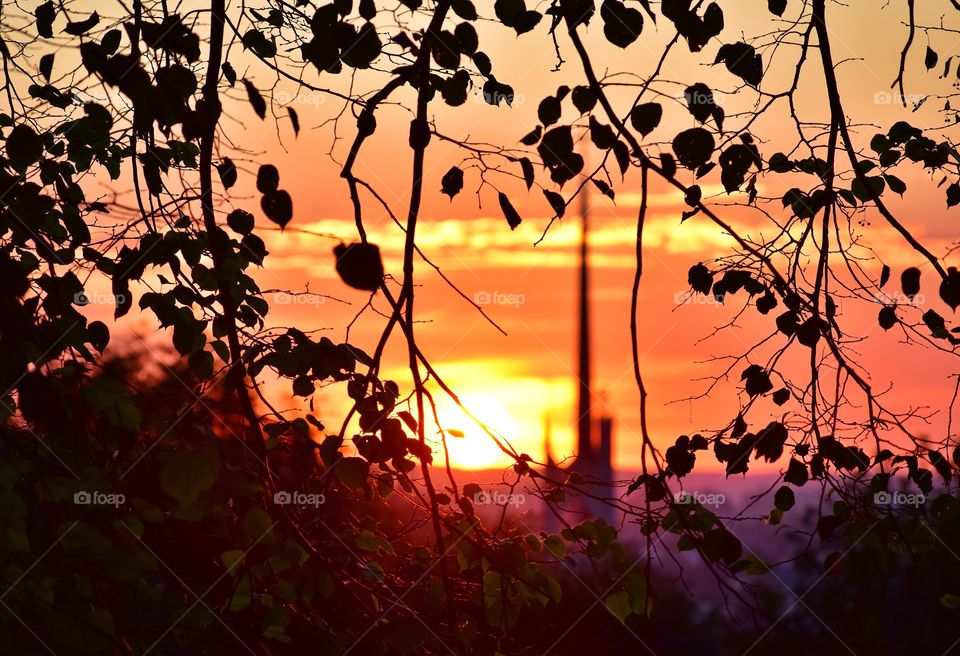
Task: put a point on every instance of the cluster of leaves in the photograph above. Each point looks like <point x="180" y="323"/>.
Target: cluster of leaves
<point x="279" y="574"/>
<point x="203" y="472"/>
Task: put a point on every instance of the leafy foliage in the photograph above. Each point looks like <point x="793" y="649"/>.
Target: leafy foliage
<point x="214" y="460"/>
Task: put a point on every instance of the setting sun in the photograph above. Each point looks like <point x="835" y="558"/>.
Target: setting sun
<point x="476" y="449"/>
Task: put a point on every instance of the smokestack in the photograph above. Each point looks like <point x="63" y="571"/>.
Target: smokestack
<point x="584" y="442"/>
<point x="606" y="447"/>
<point x="547" y="439"/>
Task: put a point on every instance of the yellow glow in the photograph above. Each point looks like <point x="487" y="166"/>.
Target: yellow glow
<point x="504" y="396"/>
<point x="476" y="449"/>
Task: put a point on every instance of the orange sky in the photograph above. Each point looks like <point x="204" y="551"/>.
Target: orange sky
<point x="519" y="379"/>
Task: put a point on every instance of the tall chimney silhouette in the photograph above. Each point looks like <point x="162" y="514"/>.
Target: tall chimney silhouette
<point x="605" y="465"/>
<point x="584" y="420"/>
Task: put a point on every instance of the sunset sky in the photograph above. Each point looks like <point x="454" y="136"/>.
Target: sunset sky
<point x="519" y="380"/>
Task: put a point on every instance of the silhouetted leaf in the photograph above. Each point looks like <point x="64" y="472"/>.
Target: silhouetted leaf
<point x="229" y="73"/>
<point x="464" y="9"/>
<point x="604" y="188"/>
<point x="526" y="167"/>
<point x="735" y="163"/>
<point x="364" y="49"/>
<point x="884" y="275"/>
<point x="679" y="458"/>
<point x="268" y="178"/>
<point x="454" y="88"/>
<point x="646" y="117"/>
<point x="359" y="265"/>
<point x="24" y="147"/>
<point x="757" y="380"/>
<point x="584" y="99"/>
<point x="98" y="335"/>
<point x="514" y="13"/>
<point x="697" y="30"/>
<point x="549" y="110"/>
<point x="781" y="396"/>
<point x="82" y="27"/>
<point x="45" y="14"/>
<point x="953" y="194"/>
<point x="895" y="184"/>
<point x="941" y="464"/>
<point x="784" y="499"/>
<point x="770" y="441"/>
<point x="452" y="181"/>
<point x="482" y="62"/>
<point x="531" y="138"/>
<point x="367" y="10"/>
<point x="743" y="61"/>
<point x="556" y="152"/>
<point x="693" y="147"/>
<point x="294" y="120"/>
<point x="622" y="152"/>
<point x="621" y="24"/>
<point x="172" y="36"/>
<point x="700" y="102"/>
<point x="278" y="206"/>
<point x="556" y="202"/>
<point x="720" y="544"/>
<point x="808" y="333"/>
<point x="700" y="278"/>
<point x="513" y="219"/>
<point x="931" y="58"/>
<point x="446" y="50"/>
<point x="796" y="473"/>
<point x="739" y="427"/>
<point x="256" y="100"/>
<point x="936" y="324"/>
<point x="777" y="7"/>
<point x="228" y="172"/>
<point x="887" y="318"/>
<point x="601" y="134"/>
<point x="253" y="248"/>
<point x="495" y="92"/>
<point x="923" y="478"/>
<point x="950" y="288"/>
<point x="867" y="188"/>
<point x="352" y="472"/>
<point x="668" y="165"/>
<point x="910" y="281"/>
<point x="240" y="221"/>
<point x="255" y="40"/>
<point x="466" y="37"/>
<point x="46" y="66"/>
